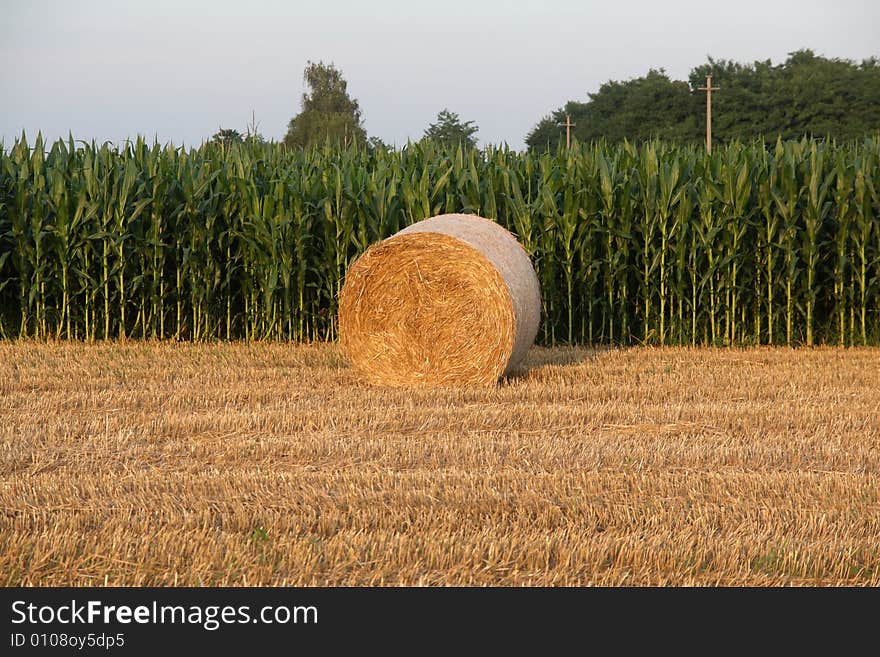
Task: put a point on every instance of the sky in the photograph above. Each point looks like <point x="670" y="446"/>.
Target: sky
<point x="178" y="70"/>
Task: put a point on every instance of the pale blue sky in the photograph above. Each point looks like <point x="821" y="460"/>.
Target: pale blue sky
<point x="177" y="70"/>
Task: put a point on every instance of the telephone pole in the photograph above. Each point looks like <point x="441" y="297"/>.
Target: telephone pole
<point x="568" y="126"/>
<point x="709" y="89"/>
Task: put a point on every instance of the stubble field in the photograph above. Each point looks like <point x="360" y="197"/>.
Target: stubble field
<point x="270" y="464"/>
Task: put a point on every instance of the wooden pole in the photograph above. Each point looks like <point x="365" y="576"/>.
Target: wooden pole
<point x="568" y="126"/>
<point x="709" y="89"/>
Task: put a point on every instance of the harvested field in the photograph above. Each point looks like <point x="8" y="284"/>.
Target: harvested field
<point x="270" y="464"/>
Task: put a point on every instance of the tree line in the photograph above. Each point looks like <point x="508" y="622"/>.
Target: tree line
<point x="329" y="113"/>
<point x="807" y="95"/>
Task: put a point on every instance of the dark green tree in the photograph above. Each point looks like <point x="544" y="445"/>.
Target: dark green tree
<point x="328" y="112"/>
<point x="641" y="108"/>
<point x="548" y="134"/>
<point x="805" y="95"/>
<point x="227" y="136"/>
<point x="450" y="130"/>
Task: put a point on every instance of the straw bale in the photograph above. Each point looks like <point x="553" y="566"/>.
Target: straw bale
<point x="449" y="301"/>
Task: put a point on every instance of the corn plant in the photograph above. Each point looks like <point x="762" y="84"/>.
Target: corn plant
<point x="646" y="243"/>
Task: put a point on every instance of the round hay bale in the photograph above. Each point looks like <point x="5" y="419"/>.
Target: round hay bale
<point x="449" y="301"/>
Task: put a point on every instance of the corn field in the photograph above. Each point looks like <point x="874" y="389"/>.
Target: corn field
<point x="761" y="243"/>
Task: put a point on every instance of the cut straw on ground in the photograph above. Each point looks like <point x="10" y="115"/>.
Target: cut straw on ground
<point x="272" y="464"/>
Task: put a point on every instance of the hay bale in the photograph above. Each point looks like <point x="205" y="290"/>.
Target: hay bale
<point x="448" y="301"/>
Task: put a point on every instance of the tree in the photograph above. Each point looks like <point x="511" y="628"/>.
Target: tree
<point x="227" y="136"/>
<point x="805" y="95"/>
<point x="328" y="112"/>
<point x="450" y="130"/>
<point x="548" y="134"/>
<point x="641" y="108"/>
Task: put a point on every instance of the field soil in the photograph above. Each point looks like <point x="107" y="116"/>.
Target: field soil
<point x="271" y="464"/>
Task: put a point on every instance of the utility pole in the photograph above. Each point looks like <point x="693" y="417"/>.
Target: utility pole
<point x="709" y="89"/>
<point x="568" y="126"/>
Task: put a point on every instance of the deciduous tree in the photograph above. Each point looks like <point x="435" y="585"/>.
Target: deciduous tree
<point x="328" y="111"/>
